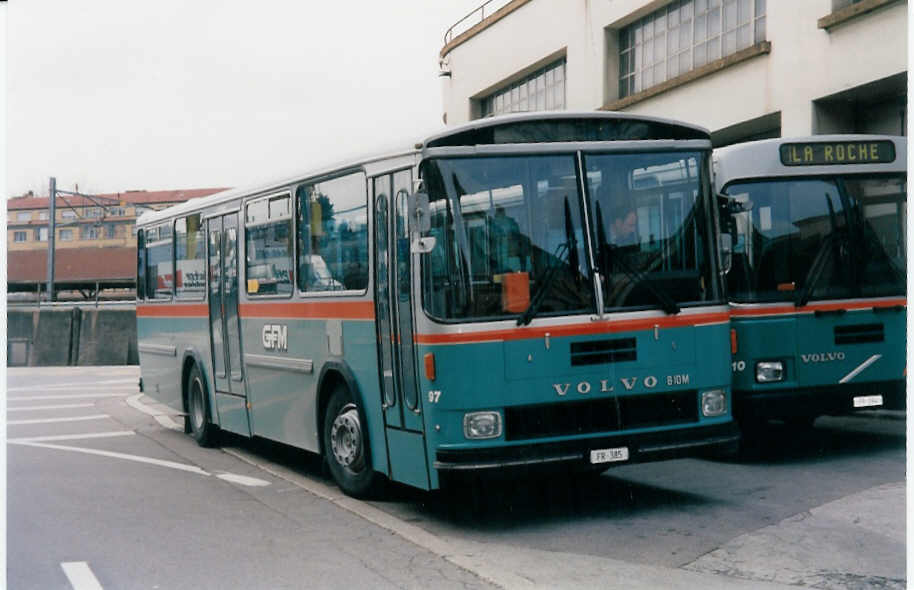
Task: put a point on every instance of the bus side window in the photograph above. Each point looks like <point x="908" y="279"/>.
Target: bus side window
<point x="190" y="243"/>
<point x="159" y="262"/>
<point x="268" y="246"/>
<point x="140" y="265"/>
<point x="333" y="234"/>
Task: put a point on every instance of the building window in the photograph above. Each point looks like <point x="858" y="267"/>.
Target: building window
<point x="23" y="216"/>
<point x="93" y="212"/>
<point x="110" y="231"/>
<point x="89" y="232"/>
<point x="20" y="236"/>
<point x="68" y="214"/>
<point x="543" y="90"/>
<point x="684" y="35"/>
<point x="66" y="235"/>
<point x="43" y="215"/>
<point x="41" y="234"/>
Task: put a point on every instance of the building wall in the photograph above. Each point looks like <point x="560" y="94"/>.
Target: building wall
<point x="797" y="85"/>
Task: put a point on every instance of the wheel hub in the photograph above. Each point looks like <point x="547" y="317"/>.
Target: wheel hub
<point x="197" y="404"/>
<point x="346" y="437"/>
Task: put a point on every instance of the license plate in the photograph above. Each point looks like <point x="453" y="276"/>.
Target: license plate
<point x="867" y="401"/>
<point x="609" y="455"/>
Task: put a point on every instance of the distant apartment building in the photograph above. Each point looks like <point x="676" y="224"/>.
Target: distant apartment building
<point x="95" y="239"/>
<point x="105" y="221"/>
<point x="744" y="69"/>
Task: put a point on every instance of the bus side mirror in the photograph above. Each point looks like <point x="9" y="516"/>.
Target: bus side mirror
<point x="418" y="212"/>
<point x="421" y="222"/>
<point x="725" y="245"/>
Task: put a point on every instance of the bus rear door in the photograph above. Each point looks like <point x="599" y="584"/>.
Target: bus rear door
<point x="228" y="375"/>
<point x="401" y="402"/>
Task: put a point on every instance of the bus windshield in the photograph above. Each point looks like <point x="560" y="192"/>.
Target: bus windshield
<point x="805" y="239"/>
<point x="511" y="238"/>
<point x="508" y="231"/>
<point x="652" y="231"/>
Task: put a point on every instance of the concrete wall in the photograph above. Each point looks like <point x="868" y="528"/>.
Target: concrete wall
<point x="61" y="336"/>
<point x="805" y="63"/>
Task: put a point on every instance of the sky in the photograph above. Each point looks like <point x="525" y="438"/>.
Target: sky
<point x="116" y="95"/>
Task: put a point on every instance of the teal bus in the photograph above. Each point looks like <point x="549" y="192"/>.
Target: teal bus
<point x="520" y="292"/>
<point x="817" y="282"/>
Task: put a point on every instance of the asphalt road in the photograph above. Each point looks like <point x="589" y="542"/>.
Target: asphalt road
<point x="141" y="506"/>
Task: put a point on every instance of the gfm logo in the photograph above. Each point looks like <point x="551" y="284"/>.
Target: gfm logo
<point x="275" y="337"/>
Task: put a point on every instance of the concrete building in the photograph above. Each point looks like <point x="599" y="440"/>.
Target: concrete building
<point x="745" y="69"/>
<point x="106" y="221"/>
<point x="95" y="242"/>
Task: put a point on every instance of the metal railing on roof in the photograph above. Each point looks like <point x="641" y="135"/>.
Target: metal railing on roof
<point x="473" y="18"/>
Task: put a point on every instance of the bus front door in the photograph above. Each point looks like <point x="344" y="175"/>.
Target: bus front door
<point x="393" y="309"/>
<point x="228" y="377"/>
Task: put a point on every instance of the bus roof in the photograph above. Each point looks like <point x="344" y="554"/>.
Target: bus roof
<point x="567" y="126"/>
<point x="229" y="195"/>
<point x="511" y="128"/>
<point x="816" y="155"/>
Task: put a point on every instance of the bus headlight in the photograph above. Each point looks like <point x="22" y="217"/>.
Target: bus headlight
<point x="769" y="371"/>
<point x="714" y="403"/>
<point x="478" y="425"/>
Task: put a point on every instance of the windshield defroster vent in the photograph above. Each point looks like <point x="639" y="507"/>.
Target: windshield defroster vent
<point x="599" y="352"/>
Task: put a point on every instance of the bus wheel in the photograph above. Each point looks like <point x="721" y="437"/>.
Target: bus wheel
<point x="197" y="421"/>
<point x="346" y="446"/>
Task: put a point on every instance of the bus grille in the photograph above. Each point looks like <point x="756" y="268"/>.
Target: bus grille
<point x="859" y="334"/>
<point x="598" y="352"/>
<point x="600" y="415"/>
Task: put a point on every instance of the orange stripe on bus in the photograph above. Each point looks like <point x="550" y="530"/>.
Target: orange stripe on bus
<point x="575" y="330"/>
<point x="167" y="310"/>
<point x="347" y="310"/>
<point x="790" y="309"/>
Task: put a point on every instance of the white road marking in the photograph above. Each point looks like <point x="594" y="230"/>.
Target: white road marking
<point x="112" y="454"/>
<point x="59" y="437"/>
<point x="80" y="576"/>
<point x="50" y="420"/>
<point x="86" y="384"/>
<point x="70" y="396"/>
<point x="243" y="480"/>
<point x="54" y="407"/>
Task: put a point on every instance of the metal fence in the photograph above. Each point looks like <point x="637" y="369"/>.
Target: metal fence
<point x="473" y="18"/>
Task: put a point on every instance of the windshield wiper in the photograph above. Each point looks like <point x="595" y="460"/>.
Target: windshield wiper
<point x="564" y="252"/>
<point x="816" y="270"/>
<point x="823" y="255"/>
<point x="638" y="278"/>
<point x="560" y="256"/>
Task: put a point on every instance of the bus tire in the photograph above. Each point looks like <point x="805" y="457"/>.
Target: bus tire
<point x="346" y="446"/>
<point x="198" y="421"/>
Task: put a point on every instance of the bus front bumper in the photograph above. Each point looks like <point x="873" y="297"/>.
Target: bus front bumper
<point x="816" y="401"/>
<point x="651" y="446"/>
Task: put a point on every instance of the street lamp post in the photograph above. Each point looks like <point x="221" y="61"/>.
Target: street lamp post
<point x="51" y="234"/>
